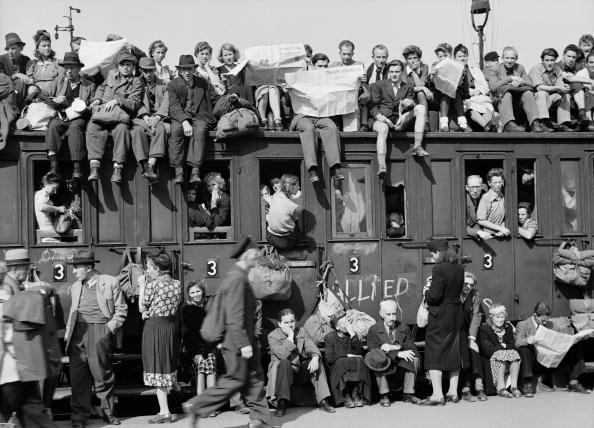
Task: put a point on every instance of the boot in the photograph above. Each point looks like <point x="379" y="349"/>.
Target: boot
<point x="149" y="173"/>
<point x="195" y="176"/>
<point x="94" y="175"/>
<point x="179" y="175"/>
<point x="116" y="177"/>
<point x="54" y="164"/>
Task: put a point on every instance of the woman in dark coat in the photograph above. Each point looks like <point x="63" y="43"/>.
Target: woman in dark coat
<point x="349" y="381"/>
<point x="445" y="330"/>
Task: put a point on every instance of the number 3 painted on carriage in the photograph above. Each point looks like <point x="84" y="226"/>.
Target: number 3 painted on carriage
<point x="60" y="272"/>
<point x="354" y="264"/>
<point x="212" y="268"/>
<point x="487" y="261"/>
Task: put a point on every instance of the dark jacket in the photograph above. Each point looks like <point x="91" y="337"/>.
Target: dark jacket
<point x="378" y="335"/>
<point x="192" y="317"/>
<point x="202" y="104"/>
<point x="127" y="90"/>
<point x="385" y="102"/>
<point x="472" y="225"/>
<point x="338" y="347"/>
<point x="489" y="342"/>
<point x="423" y="76"/>
<point x="58" y="88"/>
<point x="20" y="65"/>
<point x="500" y="80"/>
<point x="160" y="102"/>
<point x="370" y="71"/>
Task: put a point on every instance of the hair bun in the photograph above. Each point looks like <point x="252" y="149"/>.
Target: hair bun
<point x="41" y="35"/>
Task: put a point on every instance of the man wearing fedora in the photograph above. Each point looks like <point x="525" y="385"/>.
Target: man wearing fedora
<point x="149" y="124"/>
<point x="122" y="90"/>
<point x="73" y="116"/>
<point x="191" y="101"/>
<point x="97" y="314"/>
<point x="23" y="356"/>
<point x="393" y="350"/>
<point x="241" y="349"/>
<point x="14" y="64"/>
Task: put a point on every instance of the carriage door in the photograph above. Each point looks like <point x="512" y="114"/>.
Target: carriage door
<point x="492" y="260"/>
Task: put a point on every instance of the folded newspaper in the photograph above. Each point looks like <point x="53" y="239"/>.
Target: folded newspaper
<point x="551" y="346"/>
<point x="447" y="76"/>
<point x="267" y="65"/>
<point x="99" y="56"/>
<point x="325" y="92"/>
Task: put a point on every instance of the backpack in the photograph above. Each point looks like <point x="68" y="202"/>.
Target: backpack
<point x="270" y="278"/>
<point x="213" y="326"/>
<point x="129" y="274"/>
<point x="241" y="121"/>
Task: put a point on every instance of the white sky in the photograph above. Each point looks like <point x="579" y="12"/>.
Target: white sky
<point x="529" y="25"/>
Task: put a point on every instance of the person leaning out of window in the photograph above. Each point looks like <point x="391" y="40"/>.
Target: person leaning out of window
<point x="527" y="226"/>
<point x="284" y="214"/>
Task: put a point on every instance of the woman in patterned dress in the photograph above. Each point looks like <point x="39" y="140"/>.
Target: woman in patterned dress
<point x="44" y="68"/>
<point x="159" y="300"/>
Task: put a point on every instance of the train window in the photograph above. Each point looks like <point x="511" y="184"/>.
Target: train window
<point x="477" y="188"/>
<point x="352" y="216"/>
<point x="570" y="173"/>
<point x="526" y="191"/>
<point x="271" y="172"/>
<point x="209" y="203"/>
<point x="57" y="206"/>
<point x="395" y="193"/>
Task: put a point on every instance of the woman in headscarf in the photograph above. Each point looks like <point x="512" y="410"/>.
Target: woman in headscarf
<point x="44" y="68"/>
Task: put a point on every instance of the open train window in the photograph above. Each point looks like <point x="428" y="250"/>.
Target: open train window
<point x="210" y="213"/>
<point x="57" y="206"/>
<point x="271" y="172"/>
<point x="352" y="215"/>
<point x="570" y="195"/>
<point x="527" y="209"/>
<point x="395" y="194"/>
<point x="484" y="200"/>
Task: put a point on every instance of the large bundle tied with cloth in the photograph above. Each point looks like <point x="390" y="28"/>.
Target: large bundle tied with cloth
<point x="571" y="266"/>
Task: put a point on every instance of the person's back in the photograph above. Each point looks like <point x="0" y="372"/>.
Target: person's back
<point x="281" y="218"/>
<point x="44" y="219"/>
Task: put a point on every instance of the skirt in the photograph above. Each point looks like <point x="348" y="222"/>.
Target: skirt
<point x="499" y="361"/>
<point x="204" y="364"/>
<point x="160" y="347"/>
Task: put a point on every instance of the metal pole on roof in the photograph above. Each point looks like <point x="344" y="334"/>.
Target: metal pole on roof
<point x="480" y="7"/>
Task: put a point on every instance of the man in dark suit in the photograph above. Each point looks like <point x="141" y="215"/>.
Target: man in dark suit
<point x="378" y="70"/>
<point x="393" y="107"/>
<point x="191" y="101"/>
<point x="14" y="64"/>
<point x="573" y="362"/>
<point x="241" y="349"/>
<point x="395" y="339"/>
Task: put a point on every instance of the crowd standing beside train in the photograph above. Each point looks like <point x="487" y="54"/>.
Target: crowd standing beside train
<point x="156" y="112"/>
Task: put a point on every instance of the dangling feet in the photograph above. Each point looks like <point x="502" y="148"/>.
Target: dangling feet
<point x="116" y="176"/>
<point x="179" y="175"/>
<point x="195" y="176"/>
<point x="94" y="175"/>
<point x="313" y="175"/>
<point x="149" y="171"/>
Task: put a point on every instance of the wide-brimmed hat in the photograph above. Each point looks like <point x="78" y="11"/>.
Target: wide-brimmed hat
<point x="377" y="360"/>
<point x="84" y="257"/>
<point x="242" y="246"/>
<point x="16" y="257"/>
<point x="186" y="61"/>
<point x="438" y="245"/>
<point x="71" y="58"/>
<point x="126" y="56"/>
<point x="147" y="63"/>
<point x="11" y="39"/>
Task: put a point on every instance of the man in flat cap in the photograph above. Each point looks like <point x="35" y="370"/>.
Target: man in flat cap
<point x="97" y="314"/>
<point x="240" y="347"/>
<point x="121" y="90"/>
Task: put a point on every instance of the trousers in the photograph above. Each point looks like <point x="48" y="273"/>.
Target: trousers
<point x="285" y="377"/>
<point x="188" y="150"/>
<point x="475" y="372"/>
<point x="573" y="362"/>
<point x="544" y="102"/>
<point x="524" y="100"/>
<point x="74" y="129"/>
<point x="24" y="398"/>
<point x="97" y="140"/>
<point x="383" y="383"/>
<point x="90" y="353"/>
<point x="244" y="376"/>
<point x="140" y="135"/>
<point x="309" y="128"/>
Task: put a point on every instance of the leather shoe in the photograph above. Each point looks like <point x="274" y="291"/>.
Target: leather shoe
<point x="512" y="126"/>
<point x="78" y="424"/>
<point x="418" y="151"/>
<point x="260" y="424"/>
<point x="281" y="408"/>
<point x="94" y="175"/>
<point x="348" y="403"/>
<point x="410" y="398"/>
<point x="430" y="402"/>
<point x="578" y="387"/>
<point x="359" y="402"/>
<point x="195" y="176"/>
<point x="452" y="398"/>
<point x="546" y="126"/>
<point x="179" y="175"/>
<point x="564" y="127"/>
<point x="467" y="396"/>
<point x="159" y="419"/>
<point x="385" y="401"/>
<point x="116" y="176"/>
<point x="528" y="391"/>
<point x="381" y="173"/>
<point x="481" y="395"/>
<point x="326" y="407"/>
<point x="110" y="419"/>
<point x="536" y="126"/>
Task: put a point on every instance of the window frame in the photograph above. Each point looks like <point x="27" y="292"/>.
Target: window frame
<point x="384" y="206"/>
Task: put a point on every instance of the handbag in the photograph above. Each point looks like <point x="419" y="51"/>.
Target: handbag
<point x="107" y="118"/>
<point x="270" y="278"/>
<point x="422" y="314"/>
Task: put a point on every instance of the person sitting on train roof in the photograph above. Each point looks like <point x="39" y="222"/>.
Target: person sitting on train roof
<point x="497" y="344"/>
<point x="473" y="317"/>
<point x="396" y="226"/>
<point x="568" y="66"/>
<point x="350" y="381"/>
<point x="417" y="73"/>
<point x="490" y="213"/>
<point x="14" y="64"/>
<point x="391" y="351"/>
<point x="134" y="50"/>
<point x="527" y="226"/>
<point x="150" y="124"/>
<point x="214" y="211"/>
<point x="444" y="51"/>
<point x="378" y="70"/>
<point x="308" y="55"/>
<point x="551" y="91"/>
<point x="475" y="92"/>
<point x="310" y="128"/>
<point x="572" y="363"/>
<point x="157" y="51"/>
<point x="515" y="92"/>
<point x="191" y="102"/>
<point x="588" y="73"/>
<point x="393" y="107"/>
<point x="44" y="68"/>
<point x="284" y="215"/>
<point x="585" y="43"/>
<point x="46" y="213"/>
<point x="474" y="190"/>
<point x="123" y="91"/>
<point x="203" y="55"/>
<point x="234" y="82"/>
<point x="75" y="43"/>
<point x="294" y="360"/>
<point x="70" y="95"/>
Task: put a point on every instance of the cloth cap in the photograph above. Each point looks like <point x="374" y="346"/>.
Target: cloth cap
<point x="377" y="360"/>
<point x="126" y="56"/>
<point x="16" y="257"/>
<point x="242" y="246"/>
<point x="438" y="245"/>
<point x="84" y="257"/>
<point x="492" y="56"/>
<point x="11" y="39"/>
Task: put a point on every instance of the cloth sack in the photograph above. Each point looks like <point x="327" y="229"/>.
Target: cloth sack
<point x="331" y="305"/>
<point x="63" y="223"/>
<point x="130" y="273"/>
<point x="270" y="278"/>
<point x="422" y="314"/>
<point x="241" y="121"/>
<point x="213" y="326"/>
<point x="38" y="116"/>
<point x="108" y="118"/>
<point x="360" y="321"/>
<point x="570" y="273"/>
